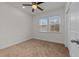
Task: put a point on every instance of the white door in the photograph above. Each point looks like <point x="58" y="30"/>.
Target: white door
<point x="73" y="31"/>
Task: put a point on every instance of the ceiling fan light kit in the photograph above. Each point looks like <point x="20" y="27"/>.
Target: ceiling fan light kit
<point x="34" y="5"/>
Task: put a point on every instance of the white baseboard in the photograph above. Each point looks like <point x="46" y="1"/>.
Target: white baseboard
<point x="66" y="46"/>
<point x="11" y="44"/>
<point x="50" y="41"/>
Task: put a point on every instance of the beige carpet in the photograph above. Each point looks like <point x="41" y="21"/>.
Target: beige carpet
<point x="35" y="48"/>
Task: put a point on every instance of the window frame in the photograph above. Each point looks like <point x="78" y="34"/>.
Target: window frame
<point x="48" y="26"/>
<point x="59" y="24"/>
<point x="41" y="25"/>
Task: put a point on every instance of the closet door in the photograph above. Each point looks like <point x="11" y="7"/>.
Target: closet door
<point x="74" y="29"/>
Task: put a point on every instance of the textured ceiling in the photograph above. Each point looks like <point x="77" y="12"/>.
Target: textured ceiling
<point x="47" y="6"/>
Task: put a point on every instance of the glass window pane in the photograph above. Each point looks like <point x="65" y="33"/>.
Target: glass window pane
<point x="54" y="23"/>
<point x="43" y="21"/>
<point x="44" y="28"/>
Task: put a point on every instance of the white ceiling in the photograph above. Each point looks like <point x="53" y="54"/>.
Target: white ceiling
<point x="47" y="6"/>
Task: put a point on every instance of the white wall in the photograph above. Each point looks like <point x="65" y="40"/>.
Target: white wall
<point x="15" y="25"/>
<point x="50" y="36"/>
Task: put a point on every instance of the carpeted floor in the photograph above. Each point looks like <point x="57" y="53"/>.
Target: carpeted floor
<point x="35" y="48"/>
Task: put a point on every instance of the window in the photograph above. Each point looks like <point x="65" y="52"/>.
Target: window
<point x="50" y="24"/>
<point x="43" y="25"/>
<point x="54" y="24"/>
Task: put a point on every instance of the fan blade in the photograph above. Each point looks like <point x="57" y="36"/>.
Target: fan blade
<point x="32" y="10"/>
<point x="39" y="8"/>
<point x="40" y="3"/>
<point x="33" y="3"/>
<point x="27" y="5"/>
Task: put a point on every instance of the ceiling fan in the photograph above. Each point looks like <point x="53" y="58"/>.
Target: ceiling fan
<point x="35" y="5"/>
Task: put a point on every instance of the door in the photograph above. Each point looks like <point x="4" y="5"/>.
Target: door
<point x="73" y="29"/>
